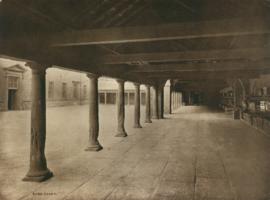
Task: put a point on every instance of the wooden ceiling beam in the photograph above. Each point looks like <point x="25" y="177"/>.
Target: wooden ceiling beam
<point x="205" y="67"/>
<point x="132" y="14"/>
<point x="206" y="29"/>
<point x="202" y="75"/>
<point x="120" y="14"/>
<point x="252" y="53"/>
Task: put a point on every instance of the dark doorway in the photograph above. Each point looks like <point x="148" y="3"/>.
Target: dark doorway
<point x="11" y="99"/>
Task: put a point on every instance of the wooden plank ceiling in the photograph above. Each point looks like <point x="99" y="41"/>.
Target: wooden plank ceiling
<point x="142" y="40"/>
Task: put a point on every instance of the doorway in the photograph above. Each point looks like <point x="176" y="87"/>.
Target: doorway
<point x="11" y="99"/>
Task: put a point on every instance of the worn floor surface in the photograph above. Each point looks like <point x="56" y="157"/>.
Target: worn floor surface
<point x="194" y="154"/>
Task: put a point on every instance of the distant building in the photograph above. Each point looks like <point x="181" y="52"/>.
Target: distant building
<point x="257" y="92"/>
<point x="63" y="87"/>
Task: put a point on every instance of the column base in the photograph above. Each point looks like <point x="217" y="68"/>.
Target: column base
<point x="148" y="121"/>
<point x="95" y="147"/>
<point x="121" y="134"/>
<point x="38" y="177"/>
<point x="137" y="126"/>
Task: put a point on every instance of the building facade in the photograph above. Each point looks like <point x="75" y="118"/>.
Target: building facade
<point x="64" y="87"/>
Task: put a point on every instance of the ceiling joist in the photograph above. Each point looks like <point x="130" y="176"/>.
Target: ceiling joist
<point x="252" y="54"/>
<point x="206" y="29"/>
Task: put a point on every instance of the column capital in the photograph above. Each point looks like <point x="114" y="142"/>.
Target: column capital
<point x="37" y="67"/>
<point x="90" y="75"/>
<point x="118" y="80"/>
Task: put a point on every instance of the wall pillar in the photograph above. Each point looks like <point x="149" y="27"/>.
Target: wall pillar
<point x="121" y="132"/>
<point x="137" y="109"/>
<point x="93" y="143"/>
<point x="147" y="105"/>
<point x="38" y="165"/>
<point x="155" y="103"/>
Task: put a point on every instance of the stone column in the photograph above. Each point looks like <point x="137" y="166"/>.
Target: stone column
<point x="137" y="109"/>
<point x="38" y="165"/>
<point x="147" y="105"/>
<point x="121" y="132"/>
<point x="177" y="99"/>
<point x="167" y="99"/>
<point x="236" y="110"/>
<point x="160" y="102"/>
<point x="93" y="143"/>
<point x="172" y="100"/>
<point x="155" y="103"/>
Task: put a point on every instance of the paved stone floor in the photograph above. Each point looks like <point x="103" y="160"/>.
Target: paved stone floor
<point x="193" y="154"/>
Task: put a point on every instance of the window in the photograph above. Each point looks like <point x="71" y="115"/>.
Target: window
<point x="126" y="98"/>
<point x="102" y="98"/>
<point x="76" y="89"/>
<point x="50" y="90"/>
<point x="13" y="82"/>
<point x="131" y="98"/>
<point x="262" y="105"/>
<point x="111" y="98"/>
<point x="64" y="90"/>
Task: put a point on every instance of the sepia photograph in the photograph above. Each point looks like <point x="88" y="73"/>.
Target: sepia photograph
<point x="134" y="99"/>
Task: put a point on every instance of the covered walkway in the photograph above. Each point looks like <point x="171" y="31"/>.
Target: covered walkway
<point x="194" y="153"/>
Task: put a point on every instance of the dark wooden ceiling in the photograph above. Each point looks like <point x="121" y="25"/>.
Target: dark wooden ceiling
<point x="53" y="16"/>
<point x="28" y="25"/>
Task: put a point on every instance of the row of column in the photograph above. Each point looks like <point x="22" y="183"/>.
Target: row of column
<point x="38" y="170"/>
<point x="176" y="99"/>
